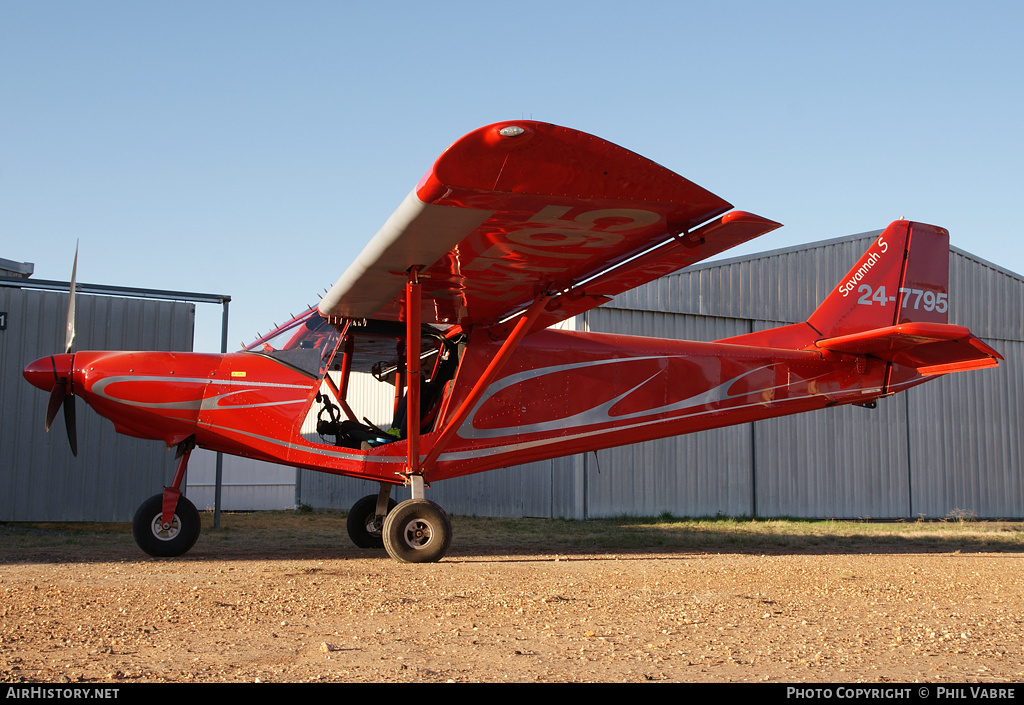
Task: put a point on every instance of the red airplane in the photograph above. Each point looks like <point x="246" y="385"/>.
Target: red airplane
<point x="518" y="225"/>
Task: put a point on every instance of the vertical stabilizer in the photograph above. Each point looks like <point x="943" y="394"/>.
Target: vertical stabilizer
<point x="902" y="278"/>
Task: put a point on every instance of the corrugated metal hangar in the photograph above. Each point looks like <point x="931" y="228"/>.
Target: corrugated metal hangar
<point x="952" y="446"/>
<point x="40" y="478"/>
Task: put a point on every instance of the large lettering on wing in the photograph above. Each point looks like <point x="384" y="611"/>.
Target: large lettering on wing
<point x="509" y="253"/>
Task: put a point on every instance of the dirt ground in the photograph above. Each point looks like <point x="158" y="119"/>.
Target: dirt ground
<point x="95" y="609"/>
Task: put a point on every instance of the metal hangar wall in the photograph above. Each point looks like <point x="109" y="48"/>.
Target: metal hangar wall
<point x="949" y="447"/>
<point x="113" y="474"/>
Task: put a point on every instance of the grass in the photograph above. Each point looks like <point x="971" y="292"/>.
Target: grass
<point x="743" y="534"/>
<point x="274" y="532"/>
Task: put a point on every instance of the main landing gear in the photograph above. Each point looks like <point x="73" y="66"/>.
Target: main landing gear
<point x="366" y="523"/>
<point x="414" y="531"/>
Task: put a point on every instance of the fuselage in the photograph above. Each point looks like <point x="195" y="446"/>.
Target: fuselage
<point x="561" y="393"/>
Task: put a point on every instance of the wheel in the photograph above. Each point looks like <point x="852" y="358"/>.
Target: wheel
<point x="159" y="542"/>
<point x="417" y="531"/>
<point x="363" y="527"/>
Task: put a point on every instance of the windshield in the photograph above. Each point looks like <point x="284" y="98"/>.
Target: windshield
<point x="307" y="342"/>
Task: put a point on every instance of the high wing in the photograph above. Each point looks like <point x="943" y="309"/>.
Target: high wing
<point x="517" y="209"/>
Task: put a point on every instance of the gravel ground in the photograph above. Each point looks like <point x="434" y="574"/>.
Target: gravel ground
<point x="103" y="612"/>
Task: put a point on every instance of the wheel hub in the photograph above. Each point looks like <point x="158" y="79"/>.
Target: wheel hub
<point x="418" y="534"/>
<point x="166" y="532"/>
<point x="374" y="525"/>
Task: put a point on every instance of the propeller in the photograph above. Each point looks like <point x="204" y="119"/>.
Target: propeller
<point x="61" y="367"/>
<point x="62" y="394"/>
<point x="69" y="322"/>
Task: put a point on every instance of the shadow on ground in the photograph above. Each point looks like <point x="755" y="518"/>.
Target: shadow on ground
<point x="322" y="535"/>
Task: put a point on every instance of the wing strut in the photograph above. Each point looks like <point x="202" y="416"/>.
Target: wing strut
<point x="412" y="369"/>
<point x="523" y="326"/>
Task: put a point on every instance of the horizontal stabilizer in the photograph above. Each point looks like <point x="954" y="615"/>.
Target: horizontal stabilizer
<point x="930" y="348"/>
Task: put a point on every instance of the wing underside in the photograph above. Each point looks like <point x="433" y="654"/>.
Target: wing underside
<point x="517" y="209"/>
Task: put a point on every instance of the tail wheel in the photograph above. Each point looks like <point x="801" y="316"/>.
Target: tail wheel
<point x="161" y="541"/>
<point x="364" y="528"/>
<point x="417" y="531"/>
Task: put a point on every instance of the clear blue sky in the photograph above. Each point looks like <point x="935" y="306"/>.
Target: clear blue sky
<point x="252" y="148"/>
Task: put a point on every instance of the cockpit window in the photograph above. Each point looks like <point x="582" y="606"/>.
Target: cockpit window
<point x="307" y="342"/>
<point x="376" y="350"/>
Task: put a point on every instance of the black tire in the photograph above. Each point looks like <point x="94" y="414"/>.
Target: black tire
<point x="154" y="539"/>
<point x="361" y="524"/>
<point x="417" y="531"/>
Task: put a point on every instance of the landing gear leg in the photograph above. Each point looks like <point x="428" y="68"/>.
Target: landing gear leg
<point x="366" y="518"/>
<point x="168" y="524"/>
<point x="417" y="530"/>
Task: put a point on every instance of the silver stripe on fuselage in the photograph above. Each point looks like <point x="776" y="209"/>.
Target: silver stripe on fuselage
<point x="600" y="413"/>
<point x="99" y="389"/>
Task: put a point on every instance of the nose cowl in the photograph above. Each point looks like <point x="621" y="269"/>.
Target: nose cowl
<point x="45" y="372"/>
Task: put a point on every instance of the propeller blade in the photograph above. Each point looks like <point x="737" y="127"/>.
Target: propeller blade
<point x="69" y="327"/>
<point x="69" y="423"/>
<point x="57" y="395"/>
